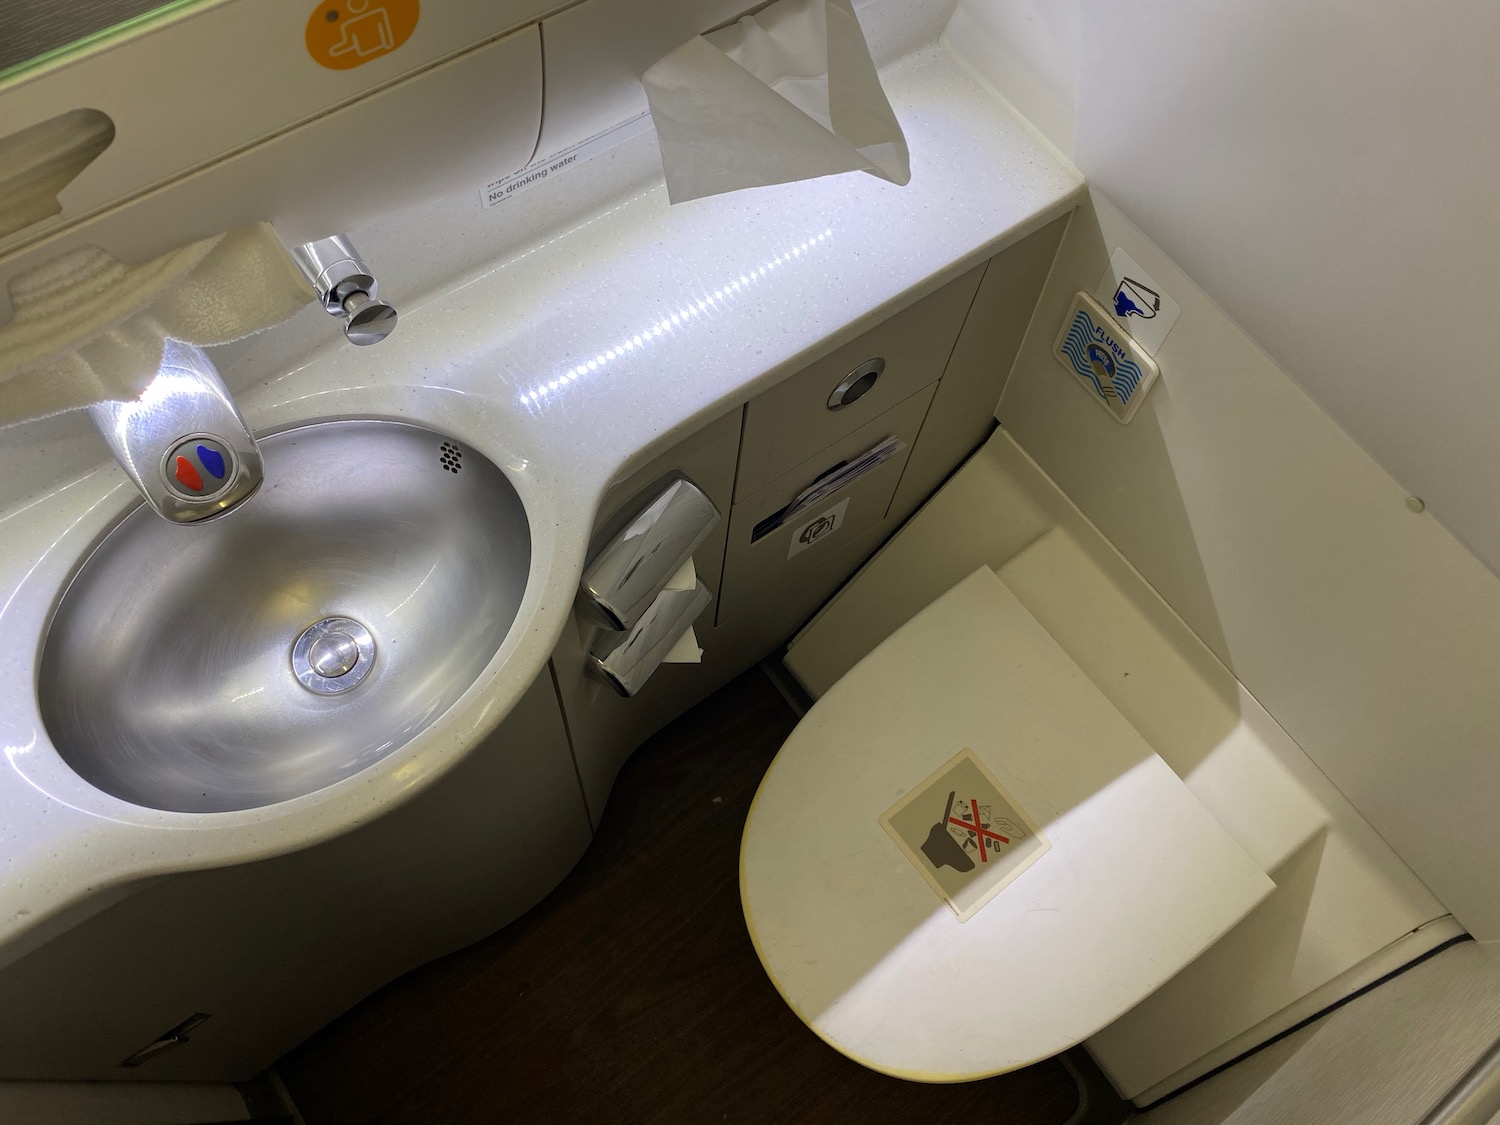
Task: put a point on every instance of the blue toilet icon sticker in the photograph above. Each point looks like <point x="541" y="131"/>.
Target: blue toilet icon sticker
<point x="1135" y="299"/>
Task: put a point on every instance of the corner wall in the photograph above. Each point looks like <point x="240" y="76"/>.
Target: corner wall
<point x="1367" y="630"/>
<point x="1325" y="171"/>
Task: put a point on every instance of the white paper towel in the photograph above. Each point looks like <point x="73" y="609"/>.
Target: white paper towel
<point x="686" y="650"/>
<point x="789" y="93"/>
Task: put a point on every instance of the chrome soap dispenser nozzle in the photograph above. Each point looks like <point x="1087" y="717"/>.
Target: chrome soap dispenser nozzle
<point x="346" y="288"/>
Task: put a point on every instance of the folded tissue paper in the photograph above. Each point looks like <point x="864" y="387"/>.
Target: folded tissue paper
<point x="686" y="650"/>
<point x="788" y="93"/>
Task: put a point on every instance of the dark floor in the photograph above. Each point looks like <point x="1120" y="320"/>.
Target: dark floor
<point x="632" y="993"/>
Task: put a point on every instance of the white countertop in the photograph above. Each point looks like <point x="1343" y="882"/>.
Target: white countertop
<point x="569" y="362"/>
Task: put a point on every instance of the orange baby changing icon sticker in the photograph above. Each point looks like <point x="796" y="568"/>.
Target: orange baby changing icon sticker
<point x="343" y="34"/>
<point x="965" y="833"/>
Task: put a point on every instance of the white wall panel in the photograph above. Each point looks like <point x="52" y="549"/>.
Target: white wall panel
<point x="1327" y="172"/>
<point x="1028" y="51"/>
<point x="1366" y="629"/>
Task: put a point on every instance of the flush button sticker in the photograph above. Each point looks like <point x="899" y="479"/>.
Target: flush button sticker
<point x="1107" y="362"/>
<point x="1137" y="302"/>
<point x="817" y="529"/>
<point x="343" y="34"/>
<point x="965" y="833"/>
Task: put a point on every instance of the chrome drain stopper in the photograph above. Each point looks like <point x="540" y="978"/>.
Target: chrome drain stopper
<point x="333" y="655"/>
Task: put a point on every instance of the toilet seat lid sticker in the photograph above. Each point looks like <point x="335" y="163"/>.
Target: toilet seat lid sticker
<point x="964" y="833"/>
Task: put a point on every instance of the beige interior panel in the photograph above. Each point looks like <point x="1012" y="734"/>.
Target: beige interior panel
<point x="269" y="180"/>
<point x="773" y="612"/>
<point x="752" y="566"/>
<point x="791" y="421"/>
<point x="959" y="419"/>
<point x="185" y="92"/>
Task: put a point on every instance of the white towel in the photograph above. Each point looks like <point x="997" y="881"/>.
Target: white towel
<point x="89" y="329"/>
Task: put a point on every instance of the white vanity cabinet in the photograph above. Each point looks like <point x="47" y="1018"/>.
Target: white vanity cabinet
<point x="943" y="361"/>
<point x="272" y="951"/>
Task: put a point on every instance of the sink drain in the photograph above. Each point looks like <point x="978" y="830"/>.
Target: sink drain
<point x="333" y="655"/>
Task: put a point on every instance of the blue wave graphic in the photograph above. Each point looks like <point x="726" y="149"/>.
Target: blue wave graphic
<point x="1075" y="344"/>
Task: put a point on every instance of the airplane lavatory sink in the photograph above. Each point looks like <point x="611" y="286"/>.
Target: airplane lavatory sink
<point x="295" y="641"/>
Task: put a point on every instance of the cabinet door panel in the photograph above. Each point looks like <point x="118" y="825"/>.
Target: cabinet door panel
<point x="963" y="413"/>
<point x="274" y="950"/>
<point x="790" y="422"/>
<point x="753" y="565"/>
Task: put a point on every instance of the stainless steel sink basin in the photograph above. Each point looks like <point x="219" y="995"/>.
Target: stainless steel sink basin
<point x="296" y="640"/>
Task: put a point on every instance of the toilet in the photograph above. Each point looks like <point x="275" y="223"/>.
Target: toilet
<point x="965" y="860"/>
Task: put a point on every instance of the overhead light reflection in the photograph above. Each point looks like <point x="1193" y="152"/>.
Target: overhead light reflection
<point x="689" y="311"/>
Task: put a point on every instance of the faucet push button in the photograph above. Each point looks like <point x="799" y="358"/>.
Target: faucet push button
<point x="198" y="467"/>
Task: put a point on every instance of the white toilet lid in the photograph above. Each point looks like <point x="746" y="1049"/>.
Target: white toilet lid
<point x="1140" y="878"/>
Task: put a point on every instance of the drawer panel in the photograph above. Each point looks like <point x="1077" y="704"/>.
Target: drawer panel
<point x="754" y="566"/>
<point x="792" y="421"/>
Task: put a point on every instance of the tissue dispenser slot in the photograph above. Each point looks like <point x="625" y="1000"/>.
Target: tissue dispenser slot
<point x="636" y="563"/>
<point x="626" y="660"/>
<point x="827" y="483"/>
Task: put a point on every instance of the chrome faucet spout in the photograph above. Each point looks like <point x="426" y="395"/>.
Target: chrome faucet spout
<point x="183" y="442"/>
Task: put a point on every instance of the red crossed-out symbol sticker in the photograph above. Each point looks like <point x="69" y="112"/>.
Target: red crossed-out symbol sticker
<point x="977" y="830"/>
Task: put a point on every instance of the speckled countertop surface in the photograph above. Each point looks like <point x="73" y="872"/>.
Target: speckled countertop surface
<point x="567" y="363"/>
